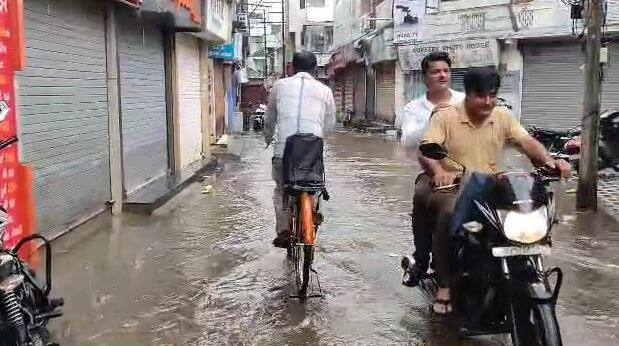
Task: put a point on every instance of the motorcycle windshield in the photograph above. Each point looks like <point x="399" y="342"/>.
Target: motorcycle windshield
<point x="517" y="191"/>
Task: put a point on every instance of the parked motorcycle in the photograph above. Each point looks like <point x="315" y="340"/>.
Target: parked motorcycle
<point x="558" y="142"/>
<point x="258" y="117"/>
<point x="567" y="144"/>
<point x="25" y="306"/>
<point x="501" y="284"/>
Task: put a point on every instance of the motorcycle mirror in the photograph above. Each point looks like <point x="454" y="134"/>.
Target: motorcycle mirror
<point x="433" y="151"/>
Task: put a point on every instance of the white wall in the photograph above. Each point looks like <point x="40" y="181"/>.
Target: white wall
<point x="321" y="14"/>
<point x="347" y="22"/>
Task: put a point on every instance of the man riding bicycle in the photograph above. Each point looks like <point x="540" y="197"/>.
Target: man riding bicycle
<point x="298" y="104"/>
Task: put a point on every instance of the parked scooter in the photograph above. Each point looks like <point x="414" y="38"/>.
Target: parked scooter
<point x="501" y="284"/>
<point x="258" y="117"/>
<point x="25" y="306"/>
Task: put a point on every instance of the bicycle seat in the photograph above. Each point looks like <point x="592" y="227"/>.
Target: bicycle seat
<point x="306" y="187"/>
<point x="309" y="188"/>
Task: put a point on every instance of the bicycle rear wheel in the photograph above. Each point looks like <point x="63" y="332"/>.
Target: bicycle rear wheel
<point x="308" y="259"/>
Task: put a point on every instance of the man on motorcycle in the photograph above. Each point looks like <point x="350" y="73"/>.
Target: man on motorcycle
<point x="413" y="122"/>
<point x="298" y="104"/>
<point x="474" y="133"/>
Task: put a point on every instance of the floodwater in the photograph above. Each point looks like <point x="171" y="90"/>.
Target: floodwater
<point x="202" y="270"/>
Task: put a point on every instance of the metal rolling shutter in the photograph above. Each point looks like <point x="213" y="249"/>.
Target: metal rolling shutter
<point x="359" y="94"/>
<point x="457" y="78"/>
<point x="63" y="110"/>
<point x="190" y="108"/>
<point x="610" y="89"/>
<point x="385" y="92"/>
<point x="143" y="102"/>
<point x="553" y="85"/>
<point x="349" y="85"/>
<point x="336" y="88"/>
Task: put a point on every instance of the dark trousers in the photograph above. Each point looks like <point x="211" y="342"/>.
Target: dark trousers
<point x="432" y="224"/>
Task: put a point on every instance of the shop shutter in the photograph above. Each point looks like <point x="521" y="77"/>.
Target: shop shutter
<point x="385" y="92"/>
<point x="143" y="102"/>
<point x="553" y="86"/>
<point x="610" y="88"/>
<point x="349" y="91"/>
<point x="190" y="107"/>
<point x="63" y="110"/>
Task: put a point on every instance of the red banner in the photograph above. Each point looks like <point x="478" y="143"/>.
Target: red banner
<point x="15" y="179"/>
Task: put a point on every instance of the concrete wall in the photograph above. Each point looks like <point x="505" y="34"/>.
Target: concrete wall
<point x="298" y="18"/>
<point x="347" y="22"/>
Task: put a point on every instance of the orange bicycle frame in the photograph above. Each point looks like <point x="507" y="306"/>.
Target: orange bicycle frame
<point x="308" y="228"/>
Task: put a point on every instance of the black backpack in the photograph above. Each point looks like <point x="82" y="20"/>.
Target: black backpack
<point x="302" y="162"/>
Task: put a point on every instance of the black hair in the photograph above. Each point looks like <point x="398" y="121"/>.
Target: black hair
<point x="433" y="57"/>
<point x="482" y="80"/>
<point x="304" y="61"/>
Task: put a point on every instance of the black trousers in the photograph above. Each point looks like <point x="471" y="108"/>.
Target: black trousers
<point x="432" y="214"/>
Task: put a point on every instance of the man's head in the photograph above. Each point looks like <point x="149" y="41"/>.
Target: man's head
<point x="436" y="68"/>
<point x="481" y="86"/>
<point x="304" y="62"/>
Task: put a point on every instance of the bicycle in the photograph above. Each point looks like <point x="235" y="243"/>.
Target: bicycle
<point x="306" y="219"/>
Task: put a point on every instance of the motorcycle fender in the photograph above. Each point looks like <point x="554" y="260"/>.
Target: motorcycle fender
<point x="539" y="292"/>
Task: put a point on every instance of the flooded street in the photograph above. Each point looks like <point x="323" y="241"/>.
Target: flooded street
<point x="202" y="270"/>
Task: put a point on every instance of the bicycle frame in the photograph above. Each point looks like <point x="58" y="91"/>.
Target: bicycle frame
<point x="303" y="232"/>
<point x="308" y="227"/>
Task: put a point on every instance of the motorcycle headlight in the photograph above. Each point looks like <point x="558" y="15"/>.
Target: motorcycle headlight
<point x="525" y="227"/>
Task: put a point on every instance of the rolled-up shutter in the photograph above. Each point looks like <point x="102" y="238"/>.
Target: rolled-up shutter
<point x="143" y="102"/>
<point x="190" y="107"/>
<point x="349" y="90"/>
<point x="610" y="88"/>
<point x="385" y="92"/>
<point x="63" y="110"/>
<point x="457" y="78"/>
<point x="553" y="86"/>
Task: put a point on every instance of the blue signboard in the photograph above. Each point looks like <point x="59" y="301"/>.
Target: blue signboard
<point x="224" y="51"/>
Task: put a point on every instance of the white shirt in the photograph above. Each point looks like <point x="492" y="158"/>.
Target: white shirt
<point x="298" y="104"/>
<point x="414" y="118"/>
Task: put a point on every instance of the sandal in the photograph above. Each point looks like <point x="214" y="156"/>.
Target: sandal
<point x="442" y="307"/>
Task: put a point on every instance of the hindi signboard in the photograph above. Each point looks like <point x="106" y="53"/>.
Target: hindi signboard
<point x="463" y="54"/>
<point x="16" y="195"/>
<point x="408" y="17"/>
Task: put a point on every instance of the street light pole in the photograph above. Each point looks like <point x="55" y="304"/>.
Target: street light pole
<point x="588" y="171"/>
<point x="283" y="41"/>
<point x="264" y="41"/>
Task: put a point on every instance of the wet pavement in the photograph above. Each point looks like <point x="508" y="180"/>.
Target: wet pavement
<point x="202" y="271"/>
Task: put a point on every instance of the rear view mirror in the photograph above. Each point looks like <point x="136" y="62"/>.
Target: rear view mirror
<point x="433" y="151"/>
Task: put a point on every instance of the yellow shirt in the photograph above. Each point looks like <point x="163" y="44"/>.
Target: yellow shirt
<point x="476" y="146"/>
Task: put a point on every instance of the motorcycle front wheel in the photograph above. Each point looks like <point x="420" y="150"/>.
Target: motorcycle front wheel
<point x="536" y="325"/>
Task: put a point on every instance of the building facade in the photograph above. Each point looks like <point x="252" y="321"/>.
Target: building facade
<point x="114" y="96"/>
<point x="537" y="45"/>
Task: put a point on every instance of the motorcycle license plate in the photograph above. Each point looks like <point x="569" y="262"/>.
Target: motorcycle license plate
<point x="509" y="251"/>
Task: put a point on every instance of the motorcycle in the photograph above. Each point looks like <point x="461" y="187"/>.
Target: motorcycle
<point x="258" y="117"/>
<point x="500" y="283"/>
<point x="567" y="144"/>
<point x="560" y="144"/>
<point x="25" y="306"/>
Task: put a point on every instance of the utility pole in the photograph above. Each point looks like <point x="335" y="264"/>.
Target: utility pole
<point x="588" y="172"/>
<point x="264" y="43"/>
<point x="283" y="40"/>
